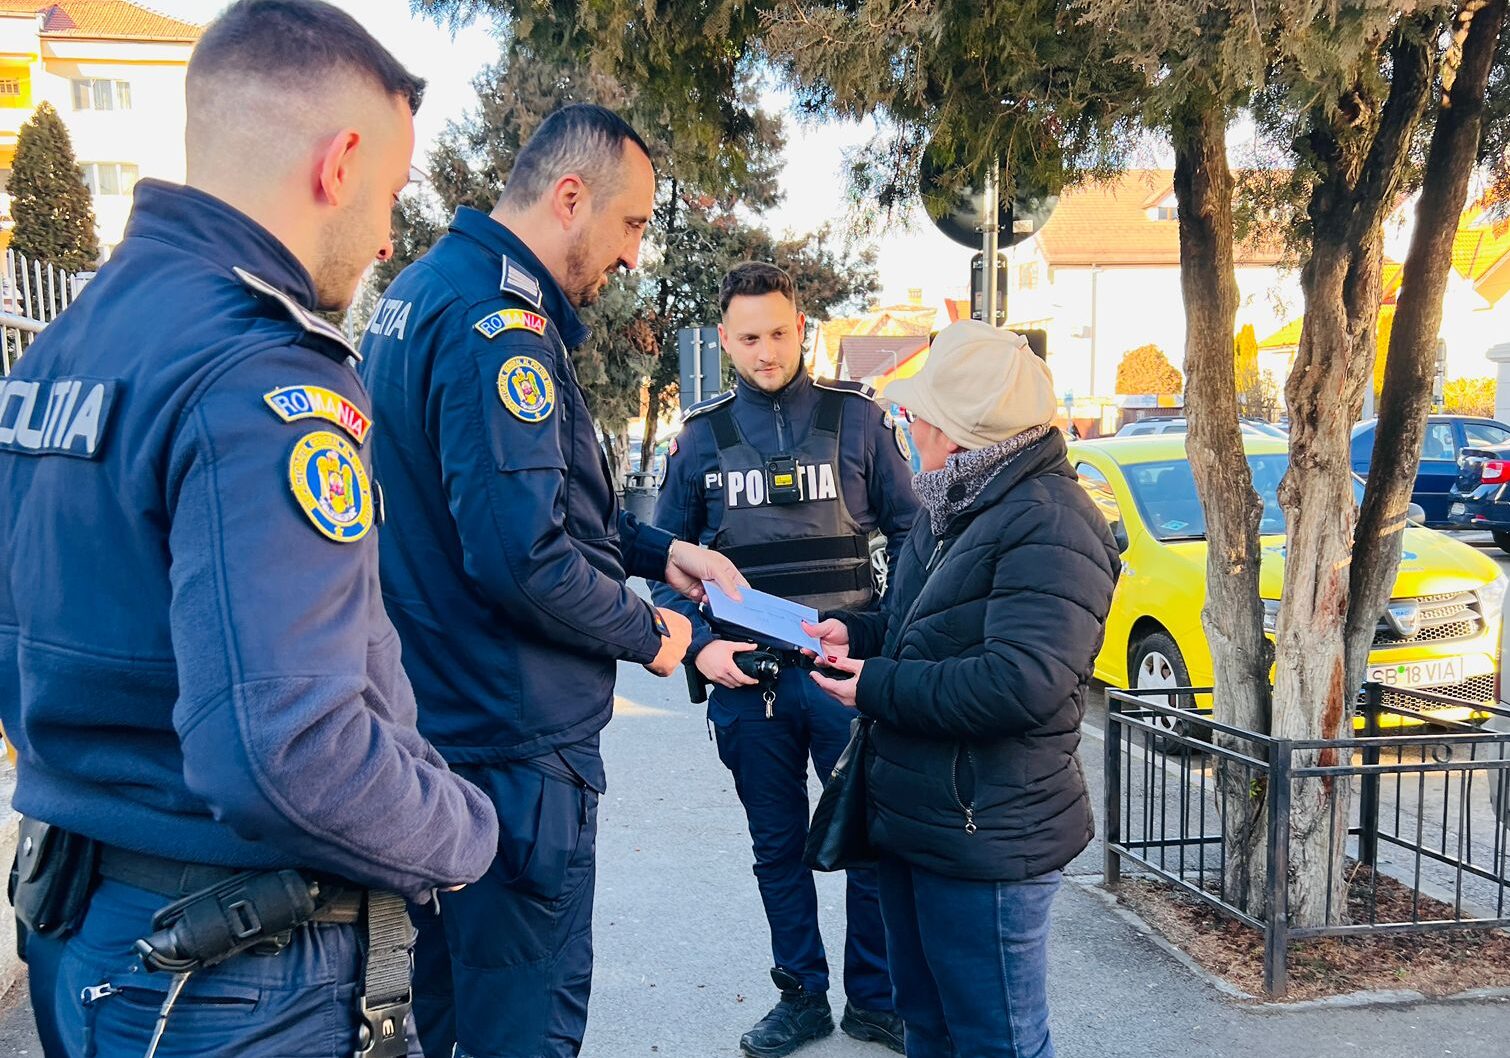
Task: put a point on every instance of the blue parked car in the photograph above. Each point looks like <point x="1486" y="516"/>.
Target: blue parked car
<point x="1446" y="436"/>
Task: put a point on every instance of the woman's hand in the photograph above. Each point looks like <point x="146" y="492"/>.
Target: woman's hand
<point x="833" y="634"/>
<point x="841" y="691"/>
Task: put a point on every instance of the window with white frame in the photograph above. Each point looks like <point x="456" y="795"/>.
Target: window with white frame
<point x="10" y="88"/>
<point x="90" y="93"/>
<point x="109" y="178"/>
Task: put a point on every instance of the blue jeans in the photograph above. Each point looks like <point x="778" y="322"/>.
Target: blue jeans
<point x="768" y="757"/>
<point x="969" y="962"/>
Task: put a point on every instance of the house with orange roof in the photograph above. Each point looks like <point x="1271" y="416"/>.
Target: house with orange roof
<point x="1102" y="277"/>
<point x="114" y="71"/>
<point x="911" y="319"/>
<point x="1475" y="305"/>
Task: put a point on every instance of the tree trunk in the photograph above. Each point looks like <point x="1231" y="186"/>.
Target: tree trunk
<point x="1312" y="698"/>
<point x="665" y="342"/>
<point x="1233" y="615"/>
<point x="1359" y="177"/>
<point x="1418" y="318"/>
<point x="618" y="441"/>
<point x="652" y="417"/>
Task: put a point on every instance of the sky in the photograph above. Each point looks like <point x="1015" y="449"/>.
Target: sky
<point x="911" y="252"/>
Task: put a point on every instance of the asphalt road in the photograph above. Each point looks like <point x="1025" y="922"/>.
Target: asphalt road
<point x="682" y="953"/>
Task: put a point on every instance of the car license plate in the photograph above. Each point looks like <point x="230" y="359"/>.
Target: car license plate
<point x="1438" y="672"/>
<point x="1457" y="509"/>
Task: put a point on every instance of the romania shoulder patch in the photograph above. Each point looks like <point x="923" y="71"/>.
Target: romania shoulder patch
<point x="292" y="403"/>
<point x="494" y="324"/>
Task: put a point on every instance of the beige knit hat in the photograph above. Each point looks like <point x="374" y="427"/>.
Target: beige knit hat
<point x="980" y="385"/>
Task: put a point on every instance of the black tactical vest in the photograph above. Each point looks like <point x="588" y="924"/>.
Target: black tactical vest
<point x="785" y="523"/>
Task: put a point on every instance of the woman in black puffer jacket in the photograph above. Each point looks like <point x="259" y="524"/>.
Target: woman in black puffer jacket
<point x="975" y="674"/>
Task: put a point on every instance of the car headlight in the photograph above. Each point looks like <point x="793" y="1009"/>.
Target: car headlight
<point x="1271" y="614"/>
<point x="1492" y="599"/>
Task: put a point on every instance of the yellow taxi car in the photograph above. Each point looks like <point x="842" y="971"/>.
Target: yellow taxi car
<point x="1440" y="632"/>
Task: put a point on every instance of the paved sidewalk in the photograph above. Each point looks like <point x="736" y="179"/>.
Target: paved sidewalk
<point x="682" y="956"/>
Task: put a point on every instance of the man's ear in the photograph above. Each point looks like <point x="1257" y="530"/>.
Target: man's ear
<point x="333" y="172"/>
<point x="568" y="198"/>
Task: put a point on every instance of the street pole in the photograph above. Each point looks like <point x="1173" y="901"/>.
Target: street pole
<point x="989" y="236"/>
<point x="1095" y="327"/>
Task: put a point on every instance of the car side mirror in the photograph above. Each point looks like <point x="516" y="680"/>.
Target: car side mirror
<point x="1119" y="534"/>
<point x="1415" y="513"/>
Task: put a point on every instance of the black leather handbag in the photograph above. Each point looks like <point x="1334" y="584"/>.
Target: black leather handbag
<point x="838" y="838"/>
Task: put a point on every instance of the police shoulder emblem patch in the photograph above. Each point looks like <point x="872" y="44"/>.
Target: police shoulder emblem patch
<point x="330" y="485"/>
<point x="292" y="403"/>
<point x="903" y="445"/>
<point x="526" y="389"/>
<point x="494" y="324"/>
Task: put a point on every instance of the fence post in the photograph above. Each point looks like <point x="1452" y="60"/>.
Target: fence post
<point x="1368" y="796"/>
<point x="1277" y="919"/>
<point x="1111" y="869"/>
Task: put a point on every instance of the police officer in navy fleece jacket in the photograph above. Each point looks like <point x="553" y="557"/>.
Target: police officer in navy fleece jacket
<point x="195" y="664"/>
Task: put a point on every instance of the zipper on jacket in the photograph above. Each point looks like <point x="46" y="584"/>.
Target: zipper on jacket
<point x="780" y="434"/>
<point x="969" y="809"/>
<point x="938" y="550"/>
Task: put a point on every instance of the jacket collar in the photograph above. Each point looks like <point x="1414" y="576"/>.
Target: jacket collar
<point x="201" y="224"/>
<point x="496" y="238"/>
<point x="793" y="391"/>
<point x="1047" y="456"/>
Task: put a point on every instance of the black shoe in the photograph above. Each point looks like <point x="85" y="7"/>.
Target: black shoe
<point x="799" y="1018"/>
<point x="873" y="1026"/>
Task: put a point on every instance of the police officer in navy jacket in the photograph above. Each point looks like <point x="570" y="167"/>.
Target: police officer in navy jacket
<point x="788" y="477"/>
<point x="504" y="569"/>
<point x="195" y="664"/>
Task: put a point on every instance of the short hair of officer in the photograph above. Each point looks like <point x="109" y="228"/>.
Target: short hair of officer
<point x="581" y="195"/>
<point x="762" y="330"/>
<point x="299" y="117"/>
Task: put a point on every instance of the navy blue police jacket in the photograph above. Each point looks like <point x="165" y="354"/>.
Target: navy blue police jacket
<point x="506" y="553"/>
<point x="874" y="473"/>
<point x="194" y="657"/>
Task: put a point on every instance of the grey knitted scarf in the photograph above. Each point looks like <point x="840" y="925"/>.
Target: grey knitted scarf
<point x="947" y="491"/>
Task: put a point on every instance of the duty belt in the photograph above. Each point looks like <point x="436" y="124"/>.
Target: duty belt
<point x="176" y="878"/>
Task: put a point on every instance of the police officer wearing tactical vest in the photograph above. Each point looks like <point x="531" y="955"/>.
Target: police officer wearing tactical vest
<point x="226" y="798"/>
<point x="504" y="569"/>
<point x="788" y="477"/>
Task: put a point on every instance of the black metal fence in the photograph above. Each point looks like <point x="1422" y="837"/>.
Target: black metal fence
<point x="1425" y="807"/>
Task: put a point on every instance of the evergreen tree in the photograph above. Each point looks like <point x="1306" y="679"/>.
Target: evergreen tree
<point x="52" y="208"/>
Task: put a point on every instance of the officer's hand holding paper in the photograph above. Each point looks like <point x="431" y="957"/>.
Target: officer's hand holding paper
<point x="689" y="567"/>
<point x="768" y="618"/>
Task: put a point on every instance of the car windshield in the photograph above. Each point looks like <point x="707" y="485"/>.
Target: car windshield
<point x="1166" y="497"/>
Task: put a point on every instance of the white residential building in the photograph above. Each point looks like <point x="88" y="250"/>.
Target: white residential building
<point x="114" y="71"/>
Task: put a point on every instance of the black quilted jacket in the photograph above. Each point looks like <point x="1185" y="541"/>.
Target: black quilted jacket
<point x="976" y="675"/>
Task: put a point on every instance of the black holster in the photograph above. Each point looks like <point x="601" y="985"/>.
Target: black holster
<point x="50" y="880"/>
<point x="244" y="911"/>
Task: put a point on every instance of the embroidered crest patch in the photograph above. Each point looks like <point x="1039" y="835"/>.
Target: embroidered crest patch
<point x="292" y="403"/>
<point x="903" y="445"/>
<point x="329" y="483"/>
<point x="526" y="389"/>
<point x="491" y="326"/>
